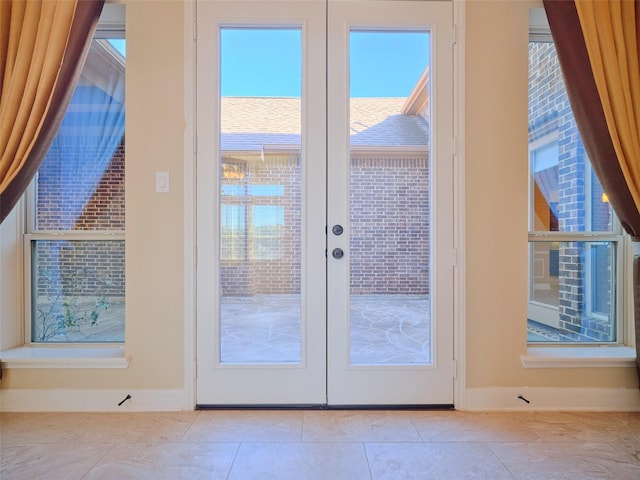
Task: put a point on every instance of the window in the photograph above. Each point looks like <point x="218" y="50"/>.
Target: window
<point x="575" y="242"/>
<point x="252" y="215"/>
<point x="74" y="244"/>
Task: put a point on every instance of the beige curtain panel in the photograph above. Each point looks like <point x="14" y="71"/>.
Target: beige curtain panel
<point x="43" y="45"/>
<point x="611" y="32"/>
<point x="597" y="44"/>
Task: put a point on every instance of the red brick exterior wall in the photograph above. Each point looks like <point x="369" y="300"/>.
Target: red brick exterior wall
<point x="389" y="251"/>
<point x="80" y="267"/>
<point x="279" y="271"/>
<point x="389" y="231"/>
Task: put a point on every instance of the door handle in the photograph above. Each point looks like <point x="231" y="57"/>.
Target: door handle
<point x="337" y="253"/>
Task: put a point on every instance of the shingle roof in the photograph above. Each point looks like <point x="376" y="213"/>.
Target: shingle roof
<point x="251" y="123"/>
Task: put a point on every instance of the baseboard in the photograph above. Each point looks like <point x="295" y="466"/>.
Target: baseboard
<point x="476" y="399"/>
<point x="558" y="399"/>
<point x="76" y="400"/>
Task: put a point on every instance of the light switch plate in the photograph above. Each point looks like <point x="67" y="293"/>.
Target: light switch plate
<point x="162" y="182"/>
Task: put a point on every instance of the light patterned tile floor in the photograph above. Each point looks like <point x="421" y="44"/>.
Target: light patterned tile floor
<point x="323" y="445"/>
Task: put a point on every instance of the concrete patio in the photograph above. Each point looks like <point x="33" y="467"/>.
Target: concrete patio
<point x="385" y="329"/>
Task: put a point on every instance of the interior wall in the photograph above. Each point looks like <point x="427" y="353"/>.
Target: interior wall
<point x="154" y="225"/>
<point x="496" y="55"/>
<point x="10" y="286"/>
<point x="495" y="196"/>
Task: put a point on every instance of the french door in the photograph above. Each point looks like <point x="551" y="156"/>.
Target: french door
<point x="324" y="203"/>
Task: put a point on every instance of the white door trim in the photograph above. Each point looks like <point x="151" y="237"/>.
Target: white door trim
<point x="190" y="255"/>
<point x="459" y="234"/>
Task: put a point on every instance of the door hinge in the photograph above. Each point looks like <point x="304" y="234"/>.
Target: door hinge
<point x="454" y="257"/>
<point x="455" y="369"/>
<point x="195" y="31"/>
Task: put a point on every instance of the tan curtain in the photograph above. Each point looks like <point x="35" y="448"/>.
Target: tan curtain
<point x="610" y="30"/>
<point x="597" y="44"/>
<point x="43" y="45"/>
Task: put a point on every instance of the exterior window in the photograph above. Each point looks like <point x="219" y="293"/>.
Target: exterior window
<point x="74" y="244"/>
<point x="252" y="215"/>
<point x="267" y="223"/>
<point x="233" y="232"/>
<point x="574" y="239"/>
<point x="265" y="232"/>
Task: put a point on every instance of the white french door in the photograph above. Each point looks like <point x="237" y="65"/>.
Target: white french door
<point x="324" y="203"/>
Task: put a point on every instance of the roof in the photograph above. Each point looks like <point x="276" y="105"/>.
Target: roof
<point x="251" y="123"/>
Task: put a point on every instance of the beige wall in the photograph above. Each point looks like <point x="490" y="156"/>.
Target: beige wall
<point x="496" y="206"/>
<point x="155" y="227"/>
<point x="10" y="288"/>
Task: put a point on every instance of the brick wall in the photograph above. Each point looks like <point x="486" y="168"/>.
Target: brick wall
<point x="80" y="268"/>
<point x="389" y="248"/>
<point x="276" y="271"/>
<point x="78" y="196"/>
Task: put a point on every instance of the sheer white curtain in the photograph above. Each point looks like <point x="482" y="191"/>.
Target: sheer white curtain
<point x="91" y="131"/>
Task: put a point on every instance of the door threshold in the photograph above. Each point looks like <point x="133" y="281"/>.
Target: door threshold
<point x="296" y="406"/>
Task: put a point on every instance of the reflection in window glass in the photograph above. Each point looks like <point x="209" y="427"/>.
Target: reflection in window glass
<point x="232" y="232"/>
<point x="78" y="291"/>
<point x="267" y="222"/>
<point x="260" y="195"/>
<point x="572" y="295"/>
<point x="389" y="198"/>
<point x="77" y="285"/>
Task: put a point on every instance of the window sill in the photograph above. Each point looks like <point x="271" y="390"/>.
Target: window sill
<point x="578" y="357"/>
<point x="64" y="357"/>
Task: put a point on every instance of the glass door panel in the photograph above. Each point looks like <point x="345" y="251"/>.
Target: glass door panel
<point x="389" y="197"/>
<point x="261" y="111"/>
<point x="260" y="195"/>
<point x="390" y="155"/>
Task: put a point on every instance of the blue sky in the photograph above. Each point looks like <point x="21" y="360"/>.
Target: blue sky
<point x="120" y="45"/>
<point x="267" y="62"/>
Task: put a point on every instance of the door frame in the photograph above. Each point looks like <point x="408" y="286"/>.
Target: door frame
<point x="190" y="204"/>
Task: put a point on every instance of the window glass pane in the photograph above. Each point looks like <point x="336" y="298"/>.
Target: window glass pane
<point x="261" y="195"/>
<point x="78" y="286"/>
<point x="80" y="184"/>
<point x="572" y="295"/>
<point x="267" y="224"/>
<point x="601" y="214"/>
<point x="232" y="232"/>
<point x="389" y="198"/>
<point x="77" y="291"/>
<point x="572" y="292"/>
<point x="566" y="195"/>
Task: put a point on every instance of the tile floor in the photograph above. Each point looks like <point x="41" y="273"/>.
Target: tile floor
<point x="317" y="444"/>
